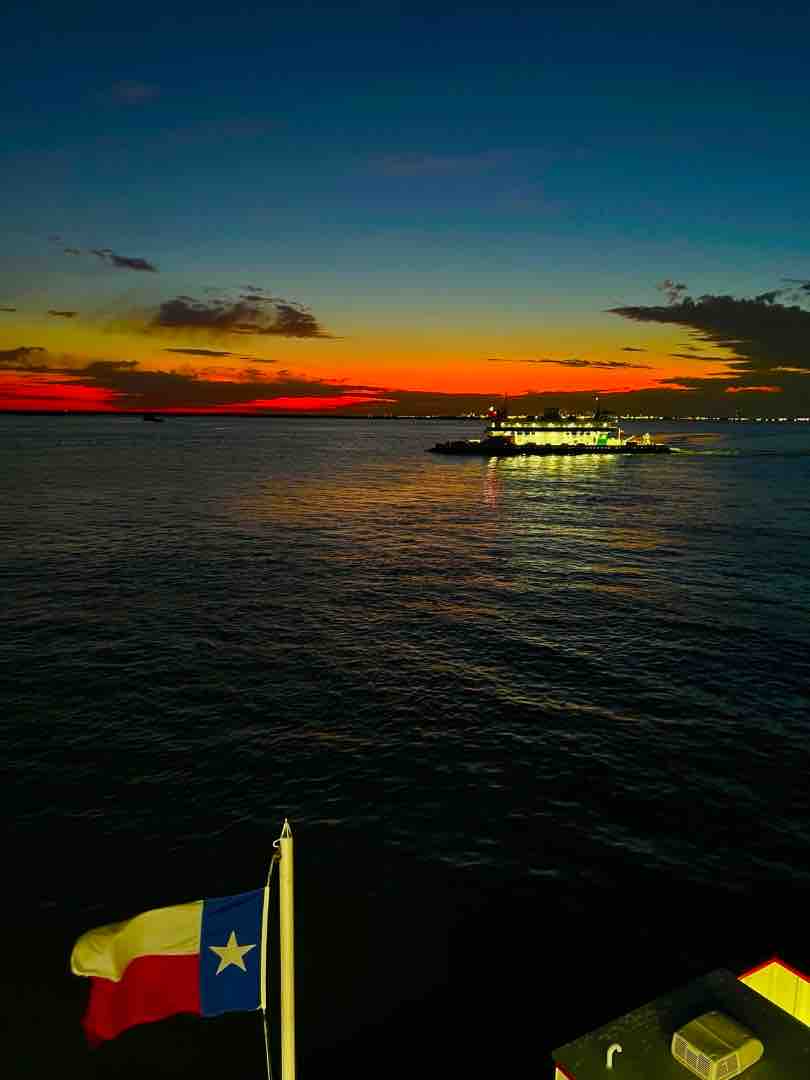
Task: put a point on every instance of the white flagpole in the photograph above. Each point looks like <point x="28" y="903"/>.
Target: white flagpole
<point x="287" y="953"/>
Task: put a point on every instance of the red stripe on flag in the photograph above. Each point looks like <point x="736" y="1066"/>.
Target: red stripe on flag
<point x="152" y="988"/>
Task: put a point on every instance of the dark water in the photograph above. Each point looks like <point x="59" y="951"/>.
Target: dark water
<point x="541" y="726"/>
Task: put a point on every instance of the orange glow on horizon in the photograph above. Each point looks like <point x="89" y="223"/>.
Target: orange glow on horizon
<point x="41" y="392"/>
<point x="375" y="370"/>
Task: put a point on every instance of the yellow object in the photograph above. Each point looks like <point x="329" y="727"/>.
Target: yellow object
<point x="782" y="986"/>
<point x="287" y="953"/>
<point x="231" y="953"/>
<point x="107" y="951"/>
<point x="715" y="1047"/>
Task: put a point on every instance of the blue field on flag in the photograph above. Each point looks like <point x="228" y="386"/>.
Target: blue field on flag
<point x="230" y="953"/>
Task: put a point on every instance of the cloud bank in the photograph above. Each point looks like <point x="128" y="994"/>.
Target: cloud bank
<point x="765" y="337"/>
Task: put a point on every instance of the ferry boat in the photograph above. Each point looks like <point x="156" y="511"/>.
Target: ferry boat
<point x="553" y="433"/>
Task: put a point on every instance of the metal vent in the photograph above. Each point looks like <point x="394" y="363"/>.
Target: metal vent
<point x="716" y="1047"/>
<point x="704" y="1066"/>
<point x="699" y="1063"/>
<point x="729" y="1067"/>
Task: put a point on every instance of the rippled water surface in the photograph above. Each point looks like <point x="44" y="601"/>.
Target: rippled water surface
<point x="539" y="694"/>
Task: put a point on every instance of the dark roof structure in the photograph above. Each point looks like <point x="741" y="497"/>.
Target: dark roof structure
<point x="646" y="1033"/>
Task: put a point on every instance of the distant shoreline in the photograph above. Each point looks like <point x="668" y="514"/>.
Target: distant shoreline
<point x="279" y="415"/>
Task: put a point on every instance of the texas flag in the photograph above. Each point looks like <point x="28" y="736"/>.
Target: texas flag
<point x="206" y="957"/>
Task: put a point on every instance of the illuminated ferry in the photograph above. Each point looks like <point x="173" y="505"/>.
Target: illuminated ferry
<point x="552" y="433"/>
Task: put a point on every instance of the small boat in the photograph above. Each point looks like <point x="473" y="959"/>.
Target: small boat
<point x="153" y="418"/>
<point x="553" y="433"/>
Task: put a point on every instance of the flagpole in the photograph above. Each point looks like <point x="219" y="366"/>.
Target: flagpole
<point x="287" y="953"/>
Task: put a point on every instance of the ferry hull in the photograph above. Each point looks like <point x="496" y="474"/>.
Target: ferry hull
<point x="500" y="448"/>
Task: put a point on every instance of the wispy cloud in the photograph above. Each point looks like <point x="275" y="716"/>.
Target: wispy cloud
<point x="674" y="290"/>
<point x="221" y="353"/>
<point x="428" y="164"/>
<point x="698" y="356"/>
<point x="107" y="255"/>
<point x="64" y="314"/>
<point x="753" y="390"/>
<point x="131" y="92"/>
<point x="124" y="262"/>
<point x="572" y="362"/>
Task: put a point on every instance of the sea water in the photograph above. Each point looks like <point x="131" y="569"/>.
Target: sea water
<point x="540" y="725"/>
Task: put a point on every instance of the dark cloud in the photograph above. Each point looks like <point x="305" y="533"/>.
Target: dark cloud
<point x="763" y="336"/>
<point x="124" y="262"/>
<point x="105" y="368"/>
<point x="23" y="358"/>
<point x="574" y="362"/>
<point x="8" y="309"/>
<point x="632" y="348"/>
<point x="64" y="314"/>
<point x="294" y="322"/>
<point x="219" y="316"/>
<point x="219" y="353"/>
<point x="71" y="251"/>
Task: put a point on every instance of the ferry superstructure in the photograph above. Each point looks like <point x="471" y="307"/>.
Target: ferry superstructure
<point x="563" y="432"/>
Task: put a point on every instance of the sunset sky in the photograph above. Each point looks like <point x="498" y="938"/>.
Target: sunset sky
<point x="405" y="208"/>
